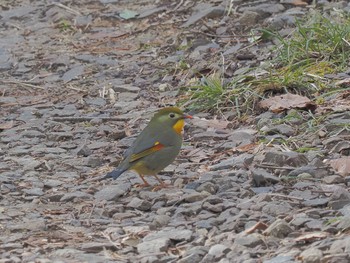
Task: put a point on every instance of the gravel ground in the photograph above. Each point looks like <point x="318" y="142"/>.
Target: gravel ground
<point x="80" y="79"/>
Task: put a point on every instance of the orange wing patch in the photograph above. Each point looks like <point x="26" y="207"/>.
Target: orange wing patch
<point x="157" y="146"/>
<point x="179" y="125"/>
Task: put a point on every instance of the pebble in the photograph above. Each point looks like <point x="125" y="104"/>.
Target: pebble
<point x="140" y="204"/>
<point x="280" y="229"/>
<point x="311" y="255"/>
<point x="112" y="192"/>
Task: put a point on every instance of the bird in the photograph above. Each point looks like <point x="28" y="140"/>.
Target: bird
<point x="155" y="147"/>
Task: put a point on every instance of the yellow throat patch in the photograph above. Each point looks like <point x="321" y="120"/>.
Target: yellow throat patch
<point x="179" y="125"/>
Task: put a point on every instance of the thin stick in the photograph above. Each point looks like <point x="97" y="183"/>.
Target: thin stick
<point x="83" y="119"/>
<point x="287" y="196"/>
<point x="22" y="83"/>
<point x="67" y="8"/>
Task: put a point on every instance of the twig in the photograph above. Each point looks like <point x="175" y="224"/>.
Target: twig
<point x="322" y="192"/>
<point x="83" y="119"/>
<point x="347" y="42"/>
<point x="76" y="89"/>
<point x="287" y="196"/>
<point x="275" y="167"/>
<point x="178" y="5"/>
<point x="68" y="8"/>
<point x="22" y="83"/>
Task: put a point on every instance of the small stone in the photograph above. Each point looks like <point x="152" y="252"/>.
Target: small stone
<point x="194" y="197"/>
<point x="218" y="251"/>
<point x="194" y="254"/>
<point x="316" y="202"/>
<point x="207" y="187"/>
<point x="112" y="192"/>
<point x="262" y="177"/>
<point x="84" y="151"/>
<point x="339" y="199"/>
<point x="344" y="224"/>
<point x="311" y="255"/>
<point x="70" y="196"/>
<point x="240" y="161"/>
<point x="333" y="179"/>
<point x="293" y="159"/>
<point x="33" y="134"/>
<point x="280" y="259"/>
<point x="94" y="162"/>
<point x="280" y="229"/>
<point x="51" y="183"/>
<point x="160" y="220"/>
<point x="279" y="129"/>
<point x="154" y="246"/>
<point x="248" y="18"/>
<point x="163" y="87"/>
<point x="139" y="204"/>
<point x="34" y="191"/>
<point x="95" y="247"/>
<point x="300" y="219"/>
<point x="304" y="176"/>
<point x="252" y="240"/>
<point x="277" y="209"/>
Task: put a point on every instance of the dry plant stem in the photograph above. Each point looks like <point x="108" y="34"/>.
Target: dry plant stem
<point x="22" y="84"/>
<point x="68" y="9"/>
<point x="275" y="167"/>
<point x="287" y="196"/>
<point x="83" y="119"/>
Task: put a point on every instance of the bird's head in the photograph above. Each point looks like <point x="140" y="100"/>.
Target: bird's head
<point x="171" y="117"/>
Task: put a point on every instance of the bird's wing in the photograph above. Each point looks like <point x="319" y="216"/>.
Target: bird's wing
<point x="155" y="148"/>
<point x="149" y="141"/>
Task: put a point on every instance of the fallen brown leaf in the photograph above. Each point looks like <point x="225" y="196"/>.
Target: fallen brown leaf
<point x="340" y="165"/>
<point x="259" y="226"/>
<point x="311" y="237"/>
<point x="287" y="101"/>
<point x="6" y="125"/>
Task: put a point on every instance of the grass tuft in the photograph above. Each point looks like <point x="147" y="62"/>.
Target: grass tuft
<point x="318" y="46"/>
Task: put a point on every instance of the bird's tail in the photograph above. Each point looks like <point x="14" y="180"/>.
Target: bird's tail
<point x="114" y="174"/>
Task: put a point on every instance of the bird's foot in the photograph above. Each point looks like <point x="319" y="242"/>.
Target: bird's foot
<point x="142" y="185"/>
<point x="161" y="186"/>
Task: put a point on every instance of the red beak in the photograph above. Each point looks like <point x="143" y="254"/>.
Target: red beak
<point x="186" y="116"/>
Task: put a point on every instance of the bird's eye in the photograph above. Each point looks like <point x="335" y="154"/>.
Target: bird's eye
<point x="172" y="115"/>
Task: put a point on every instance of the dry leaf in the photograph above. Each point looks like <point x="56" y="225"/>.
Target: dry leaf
<point x="6" y="125"/>
<point x="311" y="237"/>
<point x="259" y="226"/>
<point x="341" y="165"/>
<point x="343" y="82"/>
<point x="247" y="148"/>
<point x="287" y="101"/>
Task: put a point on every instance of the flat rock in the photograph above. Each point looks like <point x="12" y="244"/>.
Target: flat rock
<point x="218" y="251"/>
<point x="70" y="196"/>
<point x="252" y="240"/>
<point x="240" y="161"/>
<point x="112" y="192"/>
<point x="277" y="209"/>
<point x="194" y="254"/>
<point x="280" y="159"/>
<point x="194" y="197"/>
<point x="262" y="177"/>
<point x="158" y="245"/>
<point x="95" y="247"/>
<point x="311" y="255"/>
<point x="140" y="204"/>
<point x="280" y="229"/>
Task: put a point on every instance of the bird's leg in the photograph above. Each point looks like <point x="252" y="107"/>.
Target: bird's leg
<point x="161" y="184"/>
<point x="145" y="183"/>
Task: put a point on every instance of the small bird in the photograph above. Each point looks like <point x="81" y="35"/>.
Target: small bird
<point x="155" y="147"/>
